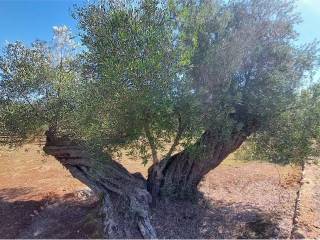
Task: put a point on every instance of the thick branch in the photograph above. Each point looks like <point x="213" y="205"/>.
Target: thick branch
<point x="180" y="174"/>
<point x="125" y="197"/>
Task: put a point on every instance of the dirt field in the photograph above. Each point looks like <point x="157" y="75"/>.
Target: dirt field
<point x="40" y="199"/>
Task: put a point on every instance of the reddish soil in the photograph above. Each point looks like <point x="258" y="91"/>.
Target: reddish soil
<point x="40" y="199"/>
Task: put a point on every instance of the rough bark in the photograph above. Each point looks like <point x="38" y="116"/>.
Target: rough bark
<point x="125" y="199"/>
<point x="179" y="175"/>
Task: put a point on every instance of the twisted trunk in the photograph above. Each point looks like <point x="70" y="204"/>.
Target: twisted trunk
<point x="180" y="174"/>
<point x="125" y="199"/>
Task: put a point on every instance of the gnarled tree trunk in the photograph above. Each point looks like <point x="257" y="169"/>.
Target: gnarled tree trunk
<point x="125" y="204"/>
<point x="180" y="174"/>
<point x="126" y="197"/>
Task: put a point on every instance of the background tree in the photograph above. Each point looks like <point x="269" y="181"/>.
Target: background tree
<point x="35" y="84"/>
<point x="293" y="134"/>
<point x="202" y="74"/>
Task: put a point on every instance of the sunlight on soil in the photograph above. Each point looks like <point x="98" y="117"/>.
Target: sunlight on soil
<point x="35" y="189"/>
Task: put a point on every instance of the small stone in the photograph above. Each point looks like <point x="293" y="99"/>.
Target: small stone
<point x="298" y="234"/>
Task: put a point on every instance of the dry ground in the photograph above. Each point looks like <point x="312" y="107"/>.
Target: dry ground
<point x="308" y="206"/>
<point x="40" y="199"/>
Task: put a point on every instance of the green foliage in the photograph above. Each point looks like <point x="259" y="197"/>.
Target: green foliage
<point x="35" y="84"/>
<point x="293" y="134"/>
<point x="136" y="77"/>
<point x="154" y="71"/>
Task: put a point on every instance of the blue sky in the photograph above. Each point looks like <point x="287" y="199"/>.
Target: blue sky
<point x="309" y="29"/>
<point x="26" y="20"/>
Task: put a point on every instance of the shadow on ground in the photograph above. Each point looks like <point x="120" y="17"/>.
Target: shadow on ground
<point x="51" y="217"/>
<point x="8" y="194"/>
<point x="207" y="219"/>
<point x="70" y="217"/>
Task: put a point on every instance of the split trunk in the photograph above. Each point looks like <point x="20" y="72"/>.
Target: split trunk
<point x="126" y="197"/>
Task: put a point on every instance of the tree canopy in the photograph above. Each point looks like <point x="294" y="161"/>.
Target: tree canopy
<point x="154" y="72"/>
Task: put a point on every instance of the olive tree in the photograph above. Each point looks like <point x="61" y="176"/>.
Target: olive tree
<point x="152" y="76"/>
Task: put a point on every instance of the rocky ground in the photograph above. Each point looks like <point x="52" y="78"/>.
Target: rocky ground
<point x="307" y="219"/>
<point x="40" y="199"/>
